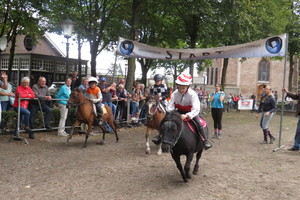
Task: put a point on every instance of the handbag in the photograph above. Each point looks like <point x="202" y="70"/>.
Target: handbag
<point x="11" y="100"/>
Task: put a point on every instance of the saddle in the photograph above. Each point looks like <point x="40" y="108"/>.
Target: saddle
<point x="103" y="108"/>
<point x="194" y="128"/>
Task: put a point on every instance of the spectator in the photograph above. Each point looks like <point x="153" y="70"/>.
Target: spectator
<point x="75" y="81"/>
<point x="24" y="91"/>
<point x="136" y="96"/>
<point x="217" y="99"/>
<point x="84" y="86"/>
<point x="63" y="93"/>
<point x="122" y="102"/>
<point x="276" y="96"/>
<point x="253" y="97"/>
<point x="107" y="94"/>
<point x="267" y="107"/>
<point x="3" y="85"/>
<point x="42" y="93"/>
<point x="4" y="95"/>
<point x="160" y="90"/>
<point x="296" y="146"/>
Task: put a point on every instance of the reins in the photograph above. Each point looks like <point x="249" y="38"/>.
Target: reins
<point x="78" y="99"/>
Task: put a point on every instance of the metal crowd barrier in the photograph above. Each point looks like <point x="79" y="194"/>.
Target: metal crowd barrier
<point x="17" y="136"/>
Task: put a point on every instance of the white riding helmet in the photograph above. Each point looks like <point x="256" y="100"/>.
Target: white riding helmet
<point x="184" y="79"/>
<point x="93" y="79"/>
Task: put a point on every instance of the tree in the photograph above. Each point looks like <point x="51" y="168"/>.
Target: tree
<point x="19" y="18"/>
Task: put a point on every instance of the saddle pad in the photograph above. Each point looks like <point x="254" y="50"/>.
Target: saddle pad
<point x="103" y="108"/>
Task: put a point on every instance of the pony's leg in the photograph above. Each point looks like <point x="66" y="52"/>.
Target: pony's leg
<point x="187" y="165"/>
<point x="112" y="125"/>
<point x="72" y="129"/>
<point x="159" y="152"/>
<point x="196" y="167"/>
<point x="147" y="136"/>
<point x="176" y="158"/>
<point x="90" y="125"/>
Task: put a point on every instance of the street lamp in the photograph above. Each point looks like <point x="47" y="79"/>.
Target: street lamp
<point x="67" y="27"/>
<point x="3" y="43"/>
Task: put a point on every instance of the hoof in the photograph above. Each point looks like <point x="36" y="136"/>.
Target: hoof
<point x="159" y="153"/>
<point x="195" y="172"/>
<point x="100" y="143"/>
<point x="185" y="180"/>
<point x="147" y="152"/>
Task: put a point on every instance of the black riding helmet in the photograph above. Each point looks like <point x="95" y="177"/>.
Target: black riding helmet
<point x="158" y="77"/>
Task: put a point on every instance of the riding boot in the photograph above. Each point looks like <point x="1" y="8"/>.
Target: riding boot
<point x="156" y="140"/>
<point x="207" y="144"/>
<point x="272" y="138"/>
<point x="30" y="132"/>
<point x="99" y="119"/>
<point x="265" y="137"/>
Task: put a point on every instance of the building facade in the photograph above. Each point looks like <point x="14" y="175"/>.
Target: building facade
<point x="36" y="60"/>
<point x="249" y="76"/>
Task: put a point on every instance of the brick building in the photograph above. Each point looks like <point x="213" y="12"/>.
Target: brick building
<point x="248" y="76"/>
<point x="41" y="59"/>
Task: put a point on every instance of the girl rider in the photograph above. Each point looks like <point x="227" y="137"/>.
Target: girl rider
<point x="95" y="96"/>
<point x="187" y="103"/>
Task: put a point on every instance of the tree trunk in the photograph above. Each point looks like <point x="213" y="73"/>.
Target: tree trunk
<point x="94" y="49"/>
<point x="224" y="72"/>
<point x="11" y="57"/>
<point x="136" y="4"/>
<point x="291" y="72"/>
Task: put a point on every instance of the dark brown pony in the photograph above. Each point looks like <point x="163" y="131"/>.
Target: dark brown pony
<point x="155" y="115"/>
<point x="85" y="114"/>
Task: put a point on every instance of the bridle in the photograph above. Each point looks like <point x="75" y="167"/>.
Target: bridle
<point x="76" y="101"/>
<point x="175" y="139"/>
<point x="150" y="106"/>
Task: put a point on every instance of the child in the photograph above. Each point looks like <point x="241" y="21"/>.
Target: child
<point x="94" y="94"/>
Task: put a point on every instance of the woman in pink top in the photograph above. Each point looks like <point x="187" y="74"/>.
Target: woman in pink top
<point x="24" y="91"/>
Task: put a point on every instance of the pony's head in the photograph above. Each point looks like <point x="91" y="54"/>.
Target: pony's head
<point x="152" y="105"/>
<point x="170" y="130"/>
<point x="76" y="97"/>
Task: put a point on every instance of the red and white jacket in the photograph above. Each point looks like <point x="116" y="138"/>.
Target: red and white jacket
<point x="187" y="102"/>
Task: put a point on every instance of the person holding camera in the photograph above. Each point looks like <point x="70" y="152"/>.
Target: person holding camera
<point x="217" y="99"/>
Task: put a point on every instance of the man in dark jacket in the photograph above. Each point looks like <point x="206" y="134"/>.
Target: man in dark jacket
<point x="296" y="146"/>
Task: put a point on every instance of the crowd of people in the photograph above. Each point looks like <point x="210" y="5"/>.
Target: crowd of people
<point x="185" y="100"/>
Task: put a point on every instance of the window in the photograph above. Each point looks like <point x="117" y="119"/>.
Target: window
<point x="264" y="71"/>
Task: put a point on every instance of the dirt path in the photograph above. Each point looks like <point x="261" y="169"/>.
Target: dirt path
<point x="237" y="167"/>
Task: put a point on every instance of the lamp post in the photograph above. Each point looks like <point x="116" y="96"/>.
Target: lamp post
<point x="3" y="43"/>
<point x="67" y="27"/>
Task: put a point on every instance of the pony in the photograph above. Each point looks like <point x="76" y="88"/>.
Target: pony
<point x="85" y="114"/>
<point x="154" y="114"/>
<point x="179" y="139"/>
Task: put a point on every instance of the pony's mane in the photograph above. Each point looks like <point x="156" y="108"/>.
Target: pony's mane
<point x="173" y="116"/>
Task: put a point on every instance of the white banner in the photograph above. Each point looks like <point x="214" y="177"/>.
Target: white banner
<point x="272" y="46"/>
<point x="245" y="104"/>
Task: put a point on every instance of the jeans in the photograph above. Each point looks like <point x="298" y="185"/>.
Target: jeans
<point x="297" y="136"/>
<point x="134" y="109"/>
<point x="24" y="115"/>
<point x="111" y="105"/>
<point x="35" y="108"/>
<point x="264" y="121"/>
<point x="5" y="105"/>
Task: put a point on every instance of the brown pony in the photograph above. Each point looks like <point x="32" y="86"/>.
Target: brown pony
<point x="155" y="115"/>
<point x="85" y="114"/>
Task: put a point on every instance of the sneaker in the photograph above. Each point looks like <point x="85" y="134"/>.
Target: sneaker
<point x="63" y="134"/>
<point x="293" y="149"/>
<point x="264" y="142"/>
<point x="272" y="140"/>
<point x="49" y="128"/>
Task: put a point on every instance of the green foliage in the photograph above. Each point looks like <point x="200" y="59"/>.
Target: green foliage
<point x="9" y="118"/>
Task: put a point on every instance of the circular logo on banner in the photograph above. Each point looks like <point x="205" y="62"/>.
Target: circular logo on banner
<point x="274" y="44"/>
<point x="126" y="47"/>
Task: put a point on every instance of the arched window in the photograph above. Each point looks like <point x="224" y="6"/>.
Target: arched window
<point x="264" y="71"/>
